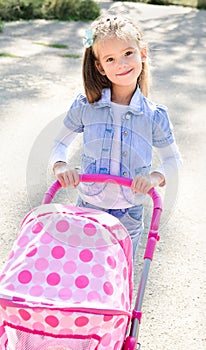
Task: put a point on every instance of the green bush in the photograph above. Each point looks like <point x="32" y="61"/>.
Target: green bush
<point x="201" y="4"/>
<point x="158" y="2"/>
<point x="59" y="9"/>
<point x="11" y="10"/>
<point x="88" y="10"/>
<point x="129" y="0"/>
<point x="1" y="26"/>
<point x="70" y="9"/>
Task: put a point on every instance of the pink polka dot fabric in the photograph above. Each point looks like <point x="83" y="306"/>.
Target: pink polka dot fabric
<point x="70" y="274"/>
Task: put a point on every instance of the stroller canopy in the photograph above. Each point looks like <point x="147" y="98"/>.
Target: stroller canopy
<point x="69" y="254"/>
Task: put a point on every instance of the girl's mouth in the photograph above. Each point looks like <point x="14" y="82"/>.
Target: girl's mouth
<point x="124" y="73"/>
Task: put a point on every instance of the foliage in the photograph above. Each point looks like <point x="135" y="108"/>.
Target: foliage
<point x="11" y="10"/>
<point x="158" y="2"/>
<point x="70" y="9"/>
<point x="60" y="9"/>
<point x="89" y="10"/>
<point x="201" y="4"/>
<point x="19" y="9"/>
<point x="130" y="0"/>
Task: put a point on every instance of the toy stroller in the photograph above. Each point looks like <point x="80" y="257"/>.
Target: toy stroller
<point x="67" y="284"/>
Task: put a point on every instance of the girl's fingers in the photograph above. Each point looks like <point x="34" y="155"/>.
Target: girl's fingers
<point x="60" y="178"/>
<point x="135" y="185"/>
<point x="141" y="184"/>
<point x="76" y="179"/>
<point x="69" y="178"/>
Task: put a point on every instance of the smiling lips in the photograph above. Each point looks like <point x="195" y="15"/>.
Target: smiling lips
<point x="124" y="73"/>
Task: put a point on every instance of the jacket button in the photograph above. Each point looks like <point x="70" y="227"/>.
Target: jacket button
<point x="125" y="173"/>
<point x="125" y="133"/>
<point x="124" y="153"/>
<point x="127" y="116"/>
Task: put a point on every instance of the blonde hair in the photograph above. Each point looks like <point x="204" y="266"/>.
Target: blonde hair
<point x="105" y="27"/>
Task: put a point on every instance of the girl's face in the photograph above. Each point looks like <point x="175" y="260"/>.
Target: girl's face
<point x="120" y="61"/>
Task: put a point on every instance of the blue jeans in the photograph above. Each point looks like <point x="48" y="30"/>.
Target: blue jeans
<point x="131" y="218"/>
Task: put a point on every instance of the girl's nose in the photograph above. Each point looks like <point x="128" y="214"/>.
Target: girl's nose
<point x="121" y="61"/>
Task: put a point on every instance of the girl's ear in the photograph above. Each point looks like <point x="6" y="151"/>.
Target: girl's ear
<point x="144" y="54"/>
<point x="99" y="67"/>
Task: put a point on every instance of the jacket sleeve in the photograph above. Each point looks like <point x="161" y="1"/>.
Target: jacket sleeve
<point x="162" y="131"/>
<point x="73" y="119"/>
<point x="61" y="145"/>
<point x="164" y="141"/>
<point x="171" y="161"/>
<point x="72" y="125"/>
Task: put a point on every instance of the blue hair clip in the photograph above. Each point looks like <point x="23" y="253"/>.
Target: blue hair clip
<point x="88" y="39"/>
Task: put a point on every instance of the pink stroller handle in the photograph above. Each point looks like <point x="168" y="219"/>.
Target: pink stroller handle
<point x="50" y="193"/>
<point x="101" y="178"/>
<point x="120" y="180"/>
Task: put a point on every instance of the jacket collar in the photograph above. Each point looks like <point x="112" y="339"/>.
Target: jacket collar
<point x="135" y="106"/>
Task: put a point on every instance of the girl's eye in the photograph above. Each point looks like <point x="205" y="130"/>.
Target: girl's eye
<point x="110" y="59"/>
<point x="128" y="53"/>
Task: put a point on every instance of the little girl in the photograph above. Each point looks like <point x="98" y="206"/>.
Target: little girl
<point x="120" y="125"/>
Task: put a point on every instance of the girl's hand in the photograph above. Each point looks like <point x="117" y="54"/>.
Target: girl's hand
<point x="66" y="177"/>
<point x="142" y="184"/>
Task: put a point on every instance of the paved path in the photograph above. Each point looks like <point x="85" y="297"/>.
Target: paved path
<point x="37" y="88"/>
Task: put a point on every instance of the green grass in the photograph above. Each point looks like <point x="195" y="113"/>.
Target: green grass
<point x="6" y="54"/>
<point x="71" y="55"/>
<point x="56" y="46"/>
<point x="59" y="46"/>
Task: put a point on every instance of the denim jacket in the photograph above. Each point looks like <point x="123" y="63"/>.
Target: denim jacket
<point x="144" y="125"/>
